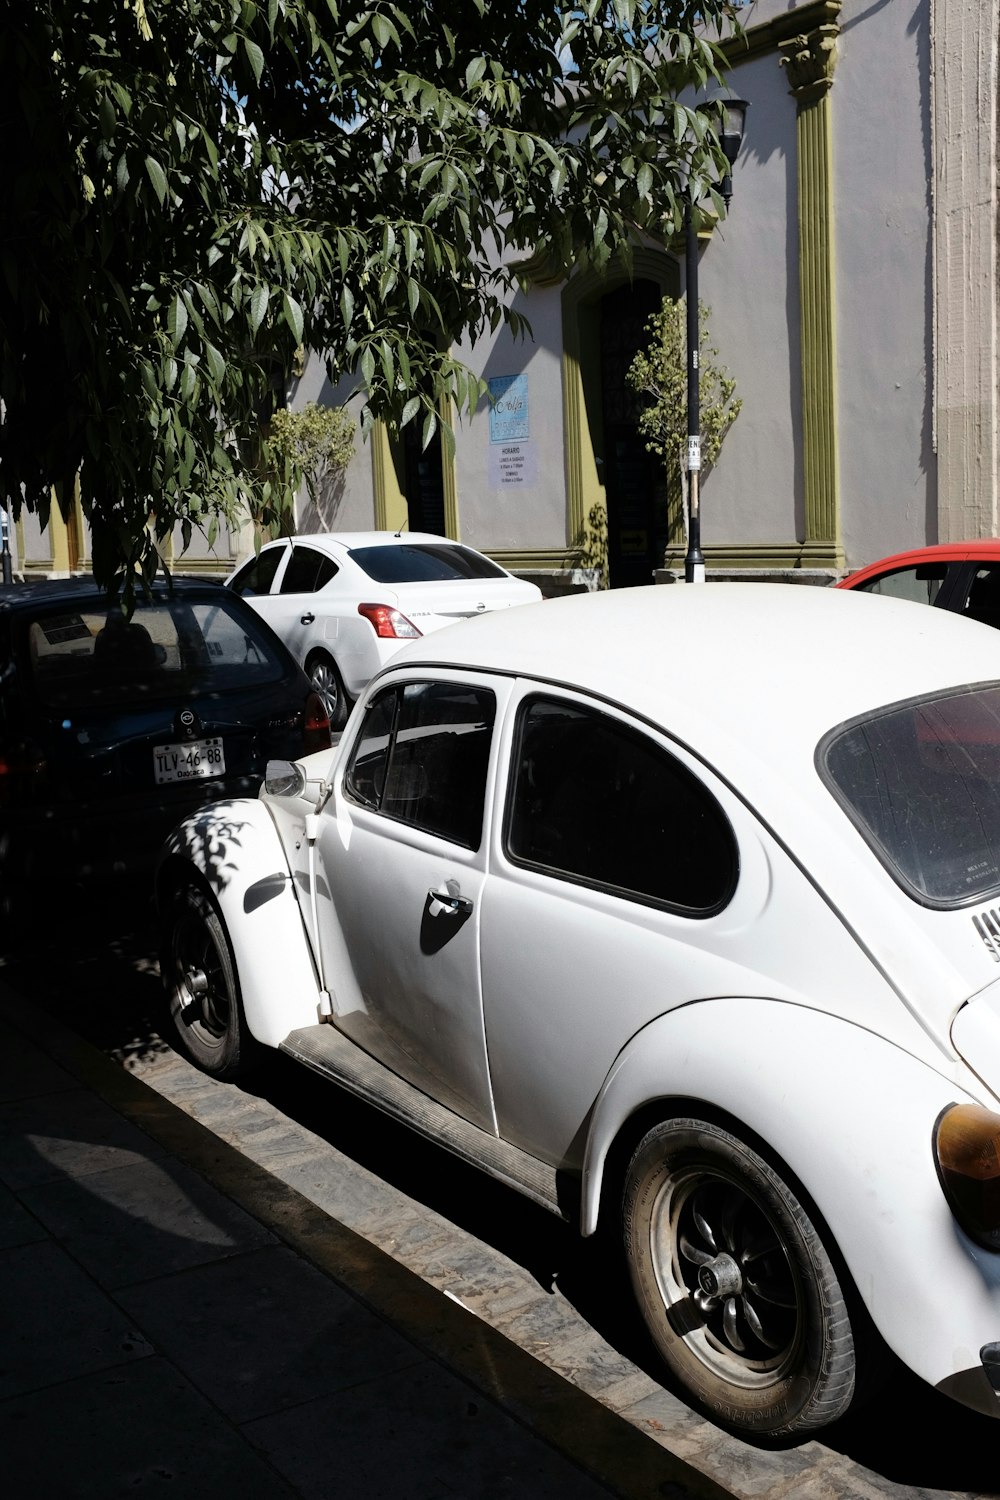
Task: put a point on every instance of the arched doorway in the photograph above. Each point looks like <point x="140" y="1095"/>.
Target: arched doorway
<point x="634" y="481"/>
<point x="424" y="481"/>
<point x="616" y="506"/>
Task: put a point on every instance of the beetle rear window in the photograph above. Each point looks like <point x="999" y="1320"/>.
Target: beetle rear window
<point x="921" y="781"/>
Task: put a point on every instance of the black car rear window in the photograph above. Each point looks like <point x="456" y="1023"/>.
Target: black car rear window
<point x="423" y="562"/>
<point x="921" y="780"/>
<point x="87" y="655"/>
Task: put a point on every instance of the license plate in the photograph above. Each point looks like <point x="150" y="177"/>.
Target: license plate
<point x="191" y="762"/>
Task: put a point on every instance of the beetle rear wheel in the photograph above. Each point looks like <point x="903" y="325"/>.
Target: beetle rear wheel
<point x="735" y="1284"/>
<point x="202" y="988"/>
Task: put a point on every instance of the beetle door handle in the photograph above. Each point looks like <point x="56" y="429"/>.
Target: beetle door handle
<point x="449" y="902"/>
<point x="306" y="619"/>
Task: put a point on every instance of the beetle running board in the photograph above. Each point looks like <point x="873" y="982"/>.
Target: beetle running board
<point x="327" y="1051"/>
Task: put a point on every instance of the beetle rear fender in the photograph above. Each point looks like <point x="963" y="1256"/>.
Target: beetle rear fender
<point x="232" y="848"/>
<point x="848" y="1116"/>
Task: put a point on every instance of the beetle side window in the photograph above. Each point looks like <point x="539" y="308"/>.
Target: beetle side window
<point x="422" y="757"/>
<point x="597" y="802"/>
<point x="257" y="576"/>
<point x="308" y="571"/>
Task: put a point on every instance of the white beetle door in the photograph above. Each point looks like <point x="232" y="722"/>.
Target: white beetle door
<point x="402" y="850"/>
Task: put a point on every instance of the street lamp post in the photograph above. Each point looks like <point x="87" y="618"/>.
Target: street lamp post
<point x="733" y="113"/>
<point x="5" y="557"/>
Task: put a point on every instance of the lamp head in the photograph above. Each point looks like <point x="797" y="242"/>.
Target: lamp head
<point x="732" y="118"/>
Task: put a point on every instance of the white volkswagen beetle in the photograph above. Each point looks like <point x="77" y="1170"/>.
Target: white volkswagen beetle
<point x="677" y="909"/>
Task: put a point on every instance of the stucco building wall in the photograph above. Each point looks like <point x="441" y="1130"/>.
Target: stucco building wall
<point x="853" y="291"/>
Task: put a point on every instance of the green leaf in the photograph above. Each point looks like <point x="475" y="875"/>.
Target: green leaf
<point x="255" y="57"/>
<point x="293" y="316"/>
<point x="216" y="364"/>
<point x="177" y="319"/>
<point x="158" y="178"/>
<point x="258" y="307"/>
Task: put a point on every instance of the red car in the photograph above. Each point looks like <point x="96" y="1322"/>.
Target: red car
<point x="960" y="576"/>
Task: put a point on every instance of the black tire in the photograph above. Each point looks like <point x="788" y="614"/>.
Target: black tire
<point x="735" y="1285"/>
<point x="202" y="988"/>
<point x="327" y="683"/>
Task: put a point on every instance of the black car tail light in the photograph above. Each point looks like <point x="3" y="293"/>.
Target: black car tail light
<point x="315" y="726"/>
<point x="21" y="776"/>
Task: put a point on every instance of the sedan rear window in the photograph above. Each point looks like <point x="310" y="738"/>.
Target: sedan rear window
<point x="921" y="781"/>
<point x="423" y="562"/>
<point x="90" y="655"/>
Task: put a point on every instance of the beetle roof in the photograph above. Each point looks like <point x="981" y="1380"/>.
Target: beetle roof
<point x="729" y="664"/>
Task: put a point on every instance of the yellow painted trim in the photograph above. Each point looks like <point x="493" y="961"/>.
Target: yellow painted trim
<point x="544" y="559"/>
<point x="756" y="41"/>
<point x="449" y="483"/>
<point x="390" y="502"/>
<point x="791" y="556"/>
<point x="58" y="537"/>
<point x="817" y="281"/>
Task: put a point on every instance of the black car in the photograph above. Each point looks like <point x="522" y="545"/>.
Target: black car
<point x="112" y="729"/>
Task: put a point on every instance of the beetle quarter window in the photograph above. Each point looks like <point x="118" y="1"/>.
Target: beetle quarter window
<point x="422" y="758"/>
<point x="598" y="802"/>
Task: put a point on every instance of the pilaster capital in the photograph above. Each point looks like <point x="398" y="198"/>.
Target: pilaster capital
<point x="810" y="59"/>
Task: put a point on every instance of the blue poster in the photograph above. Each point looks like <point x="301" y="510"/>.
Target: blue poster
<point x="509" y="409"/>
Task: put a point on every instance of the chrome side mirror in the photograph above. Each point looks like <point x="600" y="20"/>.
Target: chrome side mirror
<point x="284" y="778"/>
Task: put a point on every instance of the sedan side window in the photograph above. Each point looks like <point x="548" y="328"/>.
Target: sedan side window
<point x="422" y="757"/>
<point x="308" y="571"/>
<point x="921" y="584"/>
<point x="257" y="576"/>
<point x="599" y="803"/>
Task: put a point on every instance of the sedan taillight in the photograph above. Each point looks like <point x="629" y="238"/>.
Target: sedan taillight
<point x="389" y="623"/>
<point x="315" y="726"/>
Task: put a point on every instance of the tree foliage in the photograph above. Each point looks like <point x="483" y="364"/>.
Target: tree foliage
<point x="659" y="373"/>
<point x="201" y="186"/>
<point x="312" y="446"/>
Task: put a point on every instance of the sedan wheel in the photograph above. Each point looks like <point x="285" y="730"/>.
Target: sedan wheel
<point x="202" y="988"/>
<point x="327" y="685"/>
<point x="734" y="1283"/>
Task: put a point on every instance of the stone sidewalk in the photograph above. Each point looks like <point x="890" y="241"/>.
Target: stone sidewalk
<point x="178" y="1321"/>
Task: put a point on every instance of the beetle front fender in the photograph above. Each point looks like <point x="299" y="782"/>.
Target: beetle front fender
<point x="852" y="1117"/>
<point x="235" y="850"/>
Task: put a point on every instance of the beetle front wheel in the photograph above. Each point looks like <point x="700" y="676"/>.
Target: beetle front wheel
<point x="735" y="1284"/>
<point x="202" y="988"/>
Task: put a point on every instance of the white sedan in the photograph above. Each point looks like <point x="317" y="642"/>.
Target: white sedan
<point x="344" y="602"/>
<point x="677" y="909"/>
